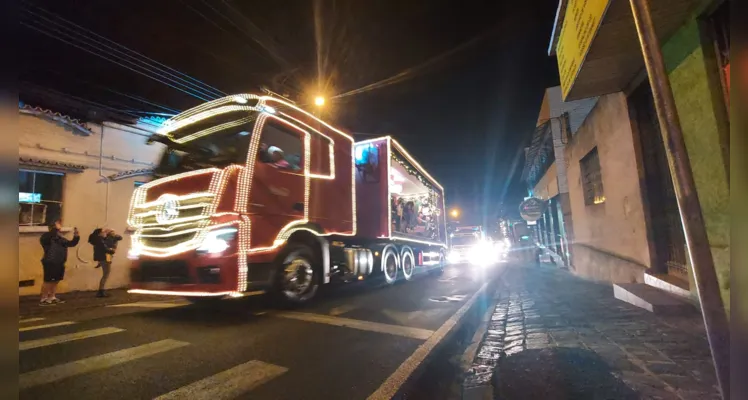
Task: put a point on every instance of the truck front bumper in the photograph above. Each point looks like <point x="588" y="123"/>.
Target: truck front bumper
<point x="187" y="274"/>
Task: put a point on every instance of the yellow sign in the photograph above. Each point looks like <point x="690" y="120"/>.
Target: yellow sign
<point x="580" y="25"/>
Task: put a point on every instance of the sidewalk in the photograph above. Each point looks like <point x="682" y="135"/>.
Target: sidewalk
<point x="556" y="336"/>
<point x="29" y="305"/>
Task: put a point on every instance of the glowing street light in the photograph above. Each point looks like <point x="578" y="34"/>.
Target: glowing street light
<point x="455" y="213"/>
<point x="319" y="101"/>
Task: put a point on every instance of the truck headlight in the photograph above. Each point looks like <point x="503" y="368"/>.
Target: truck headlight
<point x="453" y="257"/>
<point x="217" y="241"/>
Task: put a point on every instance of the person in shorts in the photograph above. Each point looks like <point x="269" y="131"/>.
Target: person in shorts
<point x="55" y="247"/>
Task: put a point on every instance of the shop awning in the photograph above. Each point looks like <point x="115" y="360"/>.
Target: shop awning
<point x="614" y="57"/>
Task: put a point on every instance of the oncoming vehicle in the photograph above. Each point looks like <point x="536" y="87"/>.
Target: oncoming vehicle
<point x="256" y="195"/>
<point x="470" y="245"/>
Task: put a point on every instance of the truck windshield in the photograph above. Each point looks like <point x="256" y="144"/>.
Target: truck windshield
<point x="220" y="149"/>
<point x="464" y="240"/>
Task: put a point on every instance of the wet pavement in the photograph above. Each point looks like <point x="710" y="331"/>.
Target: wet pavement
<point x="552" y="335"/>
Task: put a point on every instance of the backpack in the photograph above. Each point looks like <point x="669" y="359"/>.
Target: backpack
<point x="92" y="237"/>
<point x="56" y="253"/>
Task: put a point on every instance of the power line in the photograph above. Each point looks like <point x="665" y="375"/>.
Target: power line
<point x="195" y="82"/>
<point x="203" y="92"/>
<point x="111" y="60"/>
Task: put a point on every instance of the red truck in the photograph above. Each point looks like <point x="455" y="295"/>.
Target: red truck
<point x="254" y="195"/>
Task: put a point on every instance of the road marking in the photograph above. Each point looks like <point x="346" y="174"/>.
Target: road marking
<point x="469" y="355"/>
<point x="35" y="327"/>
<point x="228" y="384"/>
<point x="342" y="309"/>
<point x="398" y="330"/>
<point x="95" y="363"/>
<point x="27" y="320"/>
<point x="33" y="344"/>
<point x="153" y="304"/>
<point x="389" y="387"/>
<point x="405" y="317"/>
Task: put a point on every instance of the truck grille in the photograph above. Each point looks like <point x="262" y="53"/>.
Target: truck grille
<point x="170" y="271"/>
<point x="171" y="220"/>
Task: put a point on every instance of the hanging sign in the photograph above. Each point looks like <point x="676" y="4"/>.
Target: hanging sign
<point x="531" y="209"/>
<point x="579" y="27"/>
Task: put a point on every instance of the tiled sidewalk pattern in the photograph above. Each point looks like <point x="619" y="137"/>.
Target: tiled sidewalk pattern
<point x="545" y="308"/>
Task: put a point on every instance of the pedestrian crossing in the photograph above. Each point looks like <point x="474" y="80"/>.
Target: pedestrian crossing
<point x="224" y="385"/>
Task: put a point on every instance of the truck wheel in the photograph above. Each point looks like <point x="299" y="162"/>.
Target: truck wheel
<point x="390" y="261"/>
<point x="297" y="279"/>
<point x="407" y="263"/>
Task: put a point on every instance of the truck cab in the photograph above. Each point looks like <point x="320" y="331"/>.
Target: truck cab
<point x="238" y="178"/>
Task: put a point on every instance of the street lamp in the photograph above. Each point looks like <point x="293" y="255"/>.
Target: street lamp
<point x="319" y="101"/>
<point x="455" y="213"/>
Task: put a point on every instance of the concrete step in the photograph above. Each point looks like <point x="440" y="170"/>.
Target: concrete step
<point x="668" y="283"/>
<point x="652" y="299"/>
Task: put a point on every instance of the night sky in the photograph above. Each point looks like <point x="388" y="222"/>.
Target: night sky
<point x="469" y="75"/>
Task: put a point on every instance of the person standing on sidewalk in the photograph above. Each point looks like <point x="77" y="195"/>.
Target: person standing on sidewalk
<point x="53" y="262"/>
<point x="104" y="243"/>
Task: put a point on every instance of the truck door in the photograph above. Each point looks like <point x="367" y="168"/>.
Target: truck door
<point x="277" y="197"/>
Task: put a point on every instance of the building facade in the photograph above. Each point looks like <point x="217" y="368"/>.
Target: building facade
<point x="623" y="205"/>
<point x="83" y="173"/>
<point x="545" y="171"/>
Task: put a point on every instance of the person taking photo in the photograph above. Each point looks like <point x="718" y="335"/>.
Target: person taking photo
<point x="55" y="247"/>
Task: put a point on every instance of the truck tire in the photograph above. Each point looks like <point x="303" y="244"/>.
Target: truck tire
<point x="407" y="262"/>
<point x="390" y="264"/>
<point x="296" y="275"/>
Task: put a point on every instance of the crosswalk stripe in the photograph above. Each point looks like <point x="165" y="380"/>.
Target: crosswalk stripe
<point x="27" y="320"/>
<point x="33" y="344"/>
<point x="152" y="304"/>
<point x="35" y="327"/>
<point x="95" y="363"/>
<point x="416" y="333"/>
<point x="228" y="384"/>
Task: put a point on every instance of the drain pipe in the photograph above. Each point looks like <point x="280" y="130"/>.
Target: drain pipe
<point x="101" y="175"/>
<point x="106" y="179"/>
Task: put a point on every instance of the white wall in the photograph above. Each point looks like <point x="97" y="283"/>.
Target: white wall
<point x="85" y="201"/>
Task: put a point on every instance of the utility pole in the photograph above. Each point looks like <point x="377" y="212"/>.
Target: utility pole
<point x="697" y="242"/>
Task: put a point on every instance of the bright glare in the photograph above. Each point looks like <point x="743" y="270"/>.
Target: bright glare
<point x="319" y="101"/>
<point x="455" y="213"/>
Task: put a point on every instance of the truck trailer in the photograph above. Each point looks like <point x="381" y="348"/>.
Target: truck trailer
<point x="254" y="194"/>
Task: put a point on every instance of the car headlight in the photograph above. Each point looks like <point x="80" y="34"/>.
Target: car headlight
<point x="217" y="241"/>
<point x="453" y="257"/>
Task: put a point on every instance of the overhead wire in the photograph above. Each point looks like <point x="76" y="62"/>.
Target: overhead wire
<point x="108" y="89"/>
<point x="99" y="49"/>
<point x="184" y="77"/>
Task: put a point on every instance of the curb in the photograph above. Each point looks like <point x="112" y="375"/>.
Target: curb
<point x="409" y="371"/>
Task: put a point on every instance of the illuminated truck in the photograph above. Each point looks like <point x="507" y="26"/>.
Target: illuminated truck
<point x="255" y="195"/>
<point x="471" y="245"/>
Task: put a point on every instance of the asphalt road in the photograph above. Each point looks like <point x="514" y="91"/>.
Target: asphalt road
<point x="353" y="342"/>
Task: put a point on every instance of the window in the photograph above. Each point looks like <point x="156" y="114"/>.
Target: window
<point x="39" y="197"/>
<point x="281" y="145"/>
<point x="592" y="180"/>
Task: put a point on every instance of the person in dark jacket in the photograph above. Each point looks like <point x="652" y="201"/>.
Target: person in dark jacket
<point x="104" y="243"/>
<point x="53" y="262"/>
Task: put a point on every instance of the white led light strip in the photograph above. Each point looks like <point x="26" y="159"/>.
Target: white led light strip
<point x="211" y="130"/>
<point x="166" y="130"/>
